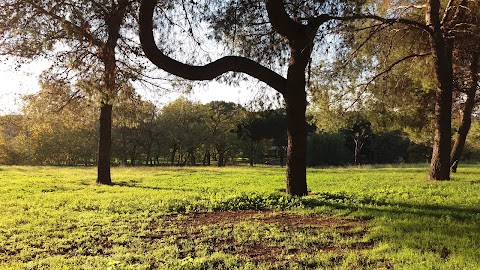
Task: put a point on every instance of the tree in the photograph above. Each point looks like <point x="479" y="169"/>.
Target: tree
<point x="358" y="135"/>
<point x="14" y="144"/>
<point x="222" y="118"/>
<point x="61" y="130"/>
<point x="134" y="127"/>
<point x="389" y="147"/>
<point x="299" y="36"/>
<point x="86" y="41"/>
<point x="185" y="125"/>
<point x="252" y="130"/>
<point x="466" y="112"/>
<point x="443" y="25"/>
<point x="466" y="71"/>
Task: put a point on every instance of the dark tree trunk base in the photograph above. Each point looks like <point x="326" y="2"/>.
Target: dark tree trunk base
<point x="104" y="145"/>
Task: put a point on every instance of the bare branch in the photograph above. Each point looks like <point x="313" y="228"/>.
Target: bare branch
<point x="412" y="23"/>
<point x="447" y="11"/>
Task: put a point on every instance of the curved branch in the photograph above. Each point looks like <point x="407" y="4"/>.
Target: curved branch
<point x="206" y="72"/>
<point x="281" y="21"/>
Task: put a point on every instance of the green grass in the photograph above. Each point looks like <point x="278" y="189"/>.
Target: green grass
<point x="238" y="218"/>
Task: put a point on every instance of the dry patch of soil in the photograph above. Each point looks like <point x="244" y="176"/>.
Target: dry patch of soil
<point x="338" y="235"/>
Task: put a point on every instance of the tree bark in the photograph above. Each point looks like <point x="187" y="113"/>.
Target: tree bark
<point x="104" y="145"/>
<point x="464" y="128"/>
<point x="442" y="56"/>
<point x="296" y="174"/>
<point x="296" y="106"/>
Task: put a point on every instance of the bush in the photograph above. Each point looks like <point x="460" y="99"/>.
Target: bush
<point x="418" y="152"/>
<point x="389" y="147"/>
<point x="327" y="149"/>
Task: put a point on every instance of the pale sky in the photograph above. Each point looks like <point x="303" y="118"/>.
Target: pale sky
<point x="15" y="82"/>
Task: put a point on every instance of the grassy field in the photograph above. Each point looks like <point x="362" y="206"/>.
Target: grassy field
<point x="238" y="218"/>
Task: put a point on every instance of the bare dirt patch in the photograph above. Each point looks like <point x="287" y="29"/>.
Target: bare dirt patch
<point x="338" y="234"/>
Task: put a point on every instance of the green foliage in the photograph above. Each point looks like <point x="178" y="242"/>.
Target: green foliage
<point x="327" y="149"/>
<point x="13" y="140"/>
<point x="182" y="218"/>
<point x="389" y="147"/>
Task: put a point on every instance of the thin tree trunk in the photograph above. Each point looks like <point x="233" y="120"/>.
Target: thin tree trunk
<point x="206" y="158"/>
<point x="105" y="145"/>
<point x="124" y="150"/>
<point x="221" y="158"/>
<point x="191" y="154"/>
<point x="134" y="156"/>
<point x="172" y="157"/>
<point x="356" y="151"/>
<point x="466" y="114"/>
<point x="252" y="154"/>
<point x="282" y="155"/>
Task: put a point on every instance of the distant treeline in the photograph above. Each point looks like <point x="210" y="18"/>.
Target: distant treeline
<point x="185" y="133"/>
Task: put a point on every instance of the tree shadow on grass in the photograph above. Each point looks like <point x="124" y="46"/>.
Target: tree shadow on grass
<point x="133" y="184"/>
<point x="349" y="202"/>
<point x="441" y="230"/>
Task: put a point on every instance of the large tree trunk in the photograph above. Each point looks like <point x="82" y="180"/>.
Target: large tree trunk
<point x="442" y="56"/>
<point x="105" y="145"/>
<point x="440" y="163"/>
<point x="107" y="54"/>
<point x="296" y="183"/>
<point x="466" y="114"/>
<point x="296" y="106"/>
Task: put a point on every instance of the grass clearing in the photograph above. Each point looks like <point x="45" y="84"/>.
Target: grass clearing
<point x="238" y="218"/>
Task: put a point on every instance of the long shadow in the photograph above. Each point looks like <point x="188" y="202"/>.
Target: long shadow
<point x="134" y="185"/>
<point x="403" y="230"/>
<point x="344" y="201"/>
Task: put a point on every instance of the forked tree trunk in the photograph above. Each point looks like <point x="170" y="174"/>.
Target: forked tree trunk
<point x="300" y="38"/>
<point x="464" y="128"/>
<point x="104" y="145"/>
